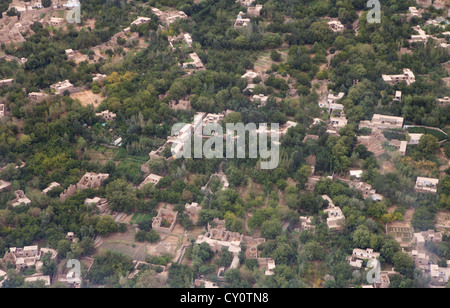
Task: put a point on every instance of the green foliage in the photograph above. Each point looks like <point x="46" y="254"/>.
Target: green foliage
<point x="46" y="3"/>
<point x="109" y="267"/>
<point x="314" y="251"/>
<point x="59" y="139"/>
<point x="180" y="276"/>
<point x="106" y="225"/>
<point x="423" y="218"/>
<point x="271" y="229"/>
<point x="225" y="258"/>
<point x="121" y="196"/>
<point x="428" y="144"/>
<point x="404" y="264"/>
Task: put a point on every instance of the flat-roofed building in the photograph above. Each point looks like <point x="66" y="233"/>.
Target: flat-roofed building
<point x="421" y="37"/>
<point x="106" y="115"/>
<point x="330" y="102"/>
<point x="218" y="237"/>
<point x="174" y="16"/>
<point x="62" y="86"/>
<point x="50" y="187"/>
<point x="424" y="237"/>
<point x="192" y="208"/>
<point x="427" y="185"/>
<point x="140" y="21"/>
<point x="71" y="4"/>
<point x="414" y="12"/>
<point x="439" y="275"/>
<point x="99" y="77"/>
<point x="306" y="223"/>
<point x="285" y="128"/>
<point x="333" y="98"/>
<point x="170" y="16"/>
<point x="70" y="236"/>
<point x="37" y="96"/>
<point x="101" y="204"/>
<point x="70" y="54"/>
<point x="188" y="39"/>
<point x="246" y="2"/>
<point x="6" y="82"/>
<point x="249" y="76"/>
<point x="212" y="118"/>
<point x="414" y="138"/>
<point x="336" y="26"/>
<point x="92" y="180"/>
<point x="56" y="21"/>
<point x="255" y="10"/>
<point x="241" y="21"/>
<point x="355" y="263"/>
<point x="356" y="174"/>
<point x="21" y="198"/>
<point x="196" y="62"/>
<point x="182" y="104"/>
<point x="152" y="179"/>
<point x="407" y="76"/>
<point x="23" y="257"/>
<point x="45" y="278"/>
<point x="156" y="11"/>
<point x="261" y="98"/>
<point x="421" y="259"/>
<point x="336" y="218"/>
<point x="4" y="276"/>
<point x="384" y="121"/>
<point x="365" y="254"/>
<point x="338" y="122"/>
<point x="206" y="283"/>
<point x="5" y="186"/>
<point x="268" y="264"/>
<point x="444" y="101"/>
<point x="382" y="282"/>
<point x="400" y="146"/>
<point x="366" y="190"/>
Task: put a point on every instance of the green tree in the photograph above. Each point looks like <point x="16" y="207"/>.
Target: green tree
<point x="275" y="56"/>
<point x="121" y="196"/>
<point x="404" y="264"/>
<point x="106" y="225"/>
<point x="140" y="236"/>
<point x="149" y="279"/>
<point x="226" y="257"/>
<point x="63" y="248"/>
<point x="180" y="276"/>
<point x="46" y="3"/>
<point x="428" y="144"/>
<point x="153" y="236"/>
<point x="178" y="90"/>
<point x="362" y="236"/>
<point x="314" y="251"/>
<point x="389" y="249"/>
<point x="234" y="279"/>
<point x="271" y="229"/>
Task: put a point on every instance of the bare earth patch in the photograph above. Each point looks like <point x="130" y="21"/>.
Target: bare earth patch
<point x="387" y="166"/>
<point x="125" y="244"/>
<point x="88" y="98"/>
<point x="409" y="214"/>
<point x="101" y="157"/>
<point x="443" y="221"/>
<point x="264" y="61"/>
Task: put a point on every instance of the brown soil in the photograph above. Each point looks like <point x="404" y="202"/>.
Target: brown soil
<point x="88" y="98"/>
